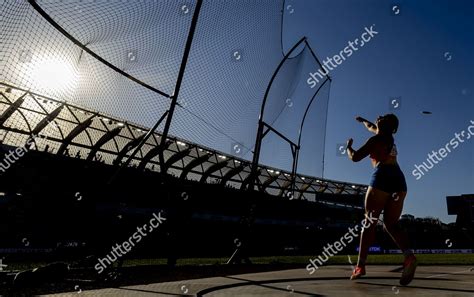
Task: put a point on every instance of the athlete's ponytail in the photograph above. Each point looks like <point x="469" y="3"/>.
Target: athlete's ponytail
<point x="388" y="126"/>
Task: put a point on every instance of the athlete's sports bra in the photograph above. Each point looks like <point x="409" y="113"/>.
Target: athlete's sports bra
<point x="383" y="152"/>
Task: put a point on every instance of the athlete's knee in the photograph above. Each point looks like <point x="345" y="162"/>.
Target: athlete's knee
<point x="370" y="218"/>
<point x="368" y="229"/>
<point x="368" y="226"/>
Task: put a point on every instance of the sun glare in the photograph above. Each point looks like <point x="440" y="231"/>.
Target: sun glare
<point x="53" y="75"/>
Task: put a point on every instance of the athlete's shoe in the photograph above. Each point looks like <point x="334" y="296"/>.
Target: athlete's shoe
<point x="409" y="267"/>
<point x="358" y="272"/>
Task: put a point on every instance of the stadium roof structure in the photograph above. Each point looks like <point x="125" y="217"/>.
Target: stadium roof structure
<point x="69" y="129"/>
<point x="168" y="86"/>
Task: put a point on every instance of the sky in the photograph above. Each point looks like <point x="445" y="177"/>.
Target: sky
<point x="421" y="55"/>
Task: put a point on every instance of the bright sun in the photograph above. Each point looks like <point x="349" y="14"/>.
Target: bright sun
<point x="53" y="75"/>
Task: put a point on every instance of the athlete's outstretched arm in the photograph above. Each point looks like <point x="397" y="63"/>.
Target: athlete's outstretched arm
<point x="368" y="124"/>
<point x="361" y="153"/>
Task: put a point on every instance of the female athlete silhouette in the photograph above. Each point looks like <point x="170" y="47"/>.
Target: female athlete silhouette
<point x="386" y="192"/>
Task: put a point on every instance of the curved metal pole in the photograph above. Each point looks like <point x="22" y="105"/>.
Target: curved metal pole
<point x="262" y="108"/>
<point x="295" y="163"/>
<point x="297" y="153"/>
<point x="281" y="26"/>
<point x="179" y="80"/>
<point x="258" y="141"/>
<point x="316" y="58"/>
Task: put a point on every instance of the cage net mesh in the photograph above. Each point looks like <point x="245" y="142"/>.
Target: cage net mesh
<point x="289" y="99"/>
<point x="236" y="48"/>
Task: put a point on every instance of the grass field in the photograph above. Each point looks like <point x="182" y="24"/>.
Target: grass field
<point x="423" y="259"/>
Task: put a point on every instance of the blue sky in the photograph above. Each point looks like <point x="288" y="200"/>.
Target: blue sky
<point x="422" y="55"/>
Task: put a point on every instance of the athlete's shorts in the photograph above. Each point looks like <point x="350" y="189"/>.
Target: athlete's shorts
<point x="388" y="178"/>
